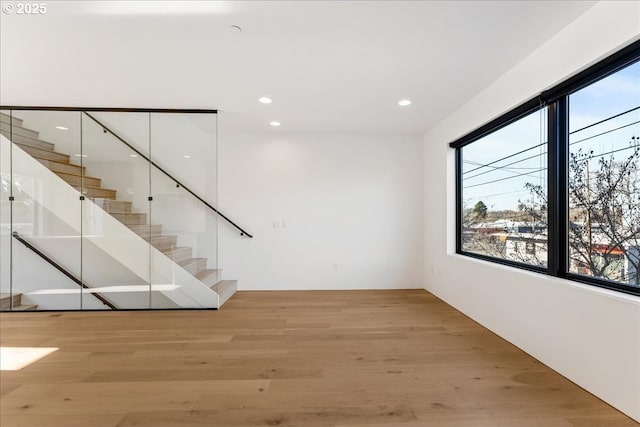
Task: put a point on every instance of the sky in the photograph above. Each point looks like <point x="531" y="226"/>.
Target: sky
<point x="501" y="184"/>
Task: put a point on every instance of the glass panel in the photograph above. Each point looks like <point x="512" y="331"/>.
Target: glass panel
<point x="46" y="210"/>
<point x="504" y="192"/>
<point x="115" y="214"/>
<point x="5" y="209"/>
<point x="604" y="181"/>
<point x="185" y="146"/>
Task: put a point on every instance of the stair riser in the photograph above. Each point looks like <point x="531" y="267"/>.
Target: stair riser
<point x="23" y="140"/>
<point x="131" y="218"/>
<point x="18" y="130"/>
<point x="225" y="290"/>
<point x="196" y="267"/>
<point x="97" y="192"/>
<point x="182" y="254"/>
<point x="164" y="244"/>
<point x="44" y="154"/>
<point x="113" y="205"/>
<point x="77" y="180"/>
<point x="5" y="303"/>
<point x="5" y="118"/>
<point x="145" y="231"/>
<point x="61" y="167"/>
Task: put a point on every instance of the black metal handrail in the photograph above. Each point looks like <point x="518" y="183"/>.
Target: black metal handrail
<point x="63" y="270"/>
<point x="178" y="183"/>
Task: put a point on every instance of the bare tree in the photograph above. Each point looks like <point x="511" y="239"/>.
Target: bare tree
<point x="604" y="217"/>
<point x="604" y="213"/>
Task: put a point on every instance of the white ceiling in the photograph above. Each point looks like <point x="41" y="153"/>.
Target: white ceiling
<point x="330" y="66"/>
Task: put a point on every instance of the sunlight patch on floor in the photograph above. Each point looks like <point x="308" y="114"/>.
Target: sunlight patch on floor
<point x="15" y="358"/>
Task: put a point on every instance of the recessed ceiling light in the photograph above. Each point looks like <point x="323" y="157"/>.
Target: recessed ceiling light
<point x="265" y="100"/>
<point x="404" y="102"/>
<point x="274" y="123"/>
<point x="186" y="156"/>
<point x="238" y="28"/>
<point x="81" y="155"/>
<point x="133" y="155"/>
<point x="62" y="128"/>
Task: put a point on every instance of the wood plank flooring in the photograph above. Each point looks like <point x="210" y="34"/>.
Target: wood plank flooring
<point x="327" y="358"/>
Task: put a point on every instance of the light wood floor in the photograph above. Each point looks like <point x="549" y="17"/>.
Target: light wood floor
<point x="355" y="358"/>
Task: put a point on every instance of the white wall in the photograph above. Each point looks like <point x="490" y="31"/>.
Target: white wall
<point x="589" y="335"/>
<point x="327" y="211"/>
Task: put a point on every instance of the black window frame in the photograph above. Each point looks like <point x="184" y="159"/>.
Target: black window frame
<point x="555" y="100"/>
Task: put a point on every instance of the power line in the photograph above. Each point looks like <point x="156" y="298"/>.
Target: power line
<point x="544" y="169"/>
<point x="604" y="133"/>
<point x="501" y="168"/>
<point x="604" y="120"/>
<point x="508" y="164"/>
<point x="583" y="128"/>
<point x="608" y="152"/>
<point x="496" y="167"/>
<point x="504" y="179"/>
<point x="507" y="157"/>
<point x="537" y="155"/>
<point x="484" y="196"/>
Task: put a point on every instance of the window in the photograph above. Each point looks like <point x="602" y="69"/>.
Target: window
<point x="604" y="180"/>
<point x="554" y="185"/>
<point x="504" y="191"/>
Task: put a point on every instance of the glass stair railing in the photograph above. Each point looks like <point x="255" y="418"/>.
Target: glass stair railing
<point x="103" y="207"/>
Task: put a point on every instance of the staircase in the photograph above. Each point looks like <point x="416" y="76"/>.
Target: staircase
<point x="75" y="175"/>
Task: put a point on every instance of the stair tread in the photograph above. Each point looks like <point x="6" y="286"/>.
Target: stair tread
<point x="94" y="188"/>
<point x="127" y="213"/>
<point x="40" y="149"/>
<point x="225" y="290"/>
<point x="76" y="174"/>
<point x="19" y="130"/>
<point x="60" y="163"/>
<point x="190" y="261"/>
<point x="20" y="139"/>
<point x="164" y="236"/>
<point x="6" y="118"/>
<point x="24" y="308"/>
<point x="209" y="276"/>
<point x="179" y="249"/>
<point x="222" y="285"/>
<point x="146" y="226"/>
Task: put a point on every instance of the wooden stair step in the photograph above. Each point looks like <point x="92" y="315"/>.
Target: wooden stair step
<point x="73" y="179"/>
<point x="225" y="290"/>
<point x="179" y="254"/>
<point x="109" y="205"/>
<point x="130" y="218"/>
<point x="45" y="154"/>
<point x="145" y="231"/>
<point x="164" y="243"/>
<point x="209" y="277"/>
<point x="10" y="118"/>
<point x="92" y="192"/>
<point x="5" y="300"/>
<point x="6" y="303"/>
<point x="18" y="130"/>
<point x="193" y="265"/>
<point x="25" y="140"/>
<point x="25" y="308"/>
<point x="55" y="166"/>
